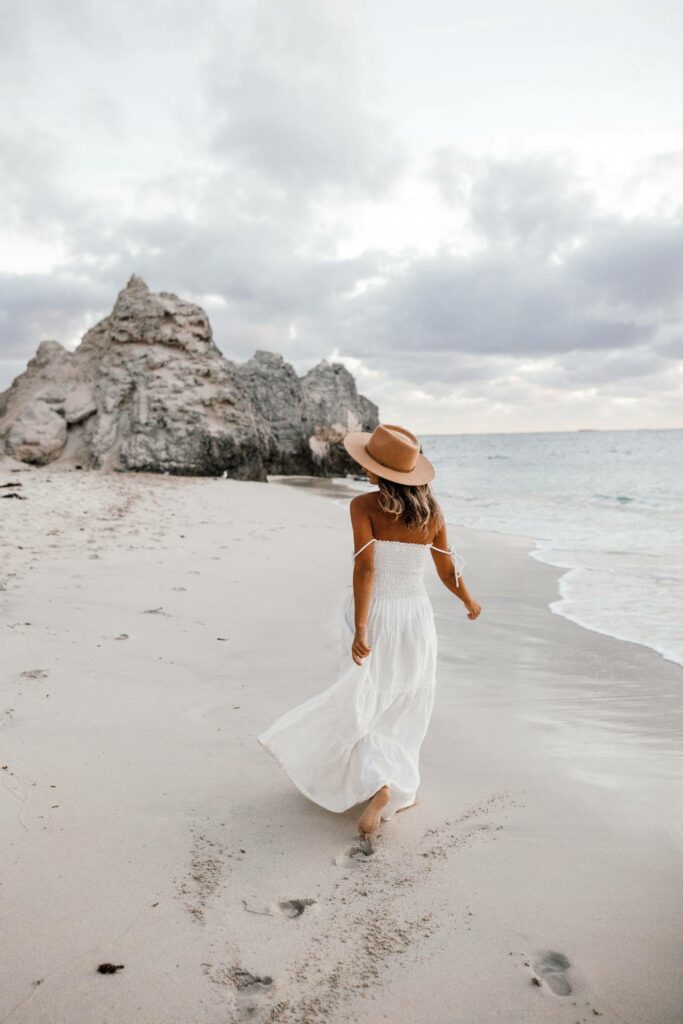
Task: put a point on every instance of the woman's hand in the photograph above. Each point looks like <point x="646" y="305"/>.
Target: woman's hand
<point x="473" y="609"/>
<point x="360" y="647"/>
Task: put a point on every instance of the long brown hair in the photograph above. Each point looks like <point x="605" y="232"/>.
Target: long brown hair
<point x="413" y="504"/>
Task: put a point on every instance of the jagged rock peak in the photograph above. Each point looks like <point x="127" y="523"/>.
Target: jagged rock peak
<point x="143" y="317"/>
<point x="48" y="351"/>
<point x="266" y="358"/>
<point x="147" y="389"/>
<point x="135" y="281"/>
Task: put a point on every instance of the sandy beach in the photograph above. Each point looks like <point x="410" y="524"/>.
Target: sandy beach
<point x="153" y="625"/>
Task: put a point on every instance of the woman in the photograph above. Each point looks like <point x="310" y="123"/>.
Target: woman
<point x="360" y="739"/>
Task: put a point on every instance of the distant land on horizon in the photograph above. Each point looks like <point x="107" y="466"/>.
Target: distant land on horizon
<point x="577" y="430"/>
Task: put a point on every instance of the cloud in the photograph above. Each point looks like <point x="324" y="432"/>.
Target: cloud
<point x="490" y="303"/>
<point x="637" y="264"/>
<point x="38" y="307"/>
<point x="532" y="206"/>
<point x="32" y="196"/>
<point x="226" y="158"/>
<point x="292" y="111"/>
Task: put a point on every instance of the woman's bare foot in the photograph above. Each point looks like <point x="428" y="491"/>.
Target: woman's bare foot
<point x="370" y="818"/>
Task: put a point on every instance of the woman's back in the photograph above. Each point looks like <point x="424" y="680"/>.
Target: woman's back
<point x="386" y="526"/>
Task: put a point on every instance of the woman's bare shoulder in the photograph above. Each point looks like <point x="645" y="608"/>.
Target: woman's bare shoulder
<point x="361" y="507"/>
<point x="364" y="502"/>
<point x="366" y="496"/>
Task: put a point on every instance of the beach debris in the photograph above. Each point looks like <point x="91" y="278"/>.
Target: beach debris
<point x="154" y="611"/>
<point x="14" y="483"/>
<point x="121" y="636"/>
<point x="109" y="968"/>
<point x="14" y="494"/>
<point x="34" y="673"/>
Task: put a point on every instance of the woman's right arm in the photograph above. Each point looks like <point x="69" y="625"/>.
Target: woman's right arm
<point x="447" y="573"/>
<point x="363" y="576"/>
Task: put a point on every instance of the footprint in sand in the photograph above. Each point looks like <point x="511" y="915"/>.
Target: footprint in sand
<point x="294" y="908"/>
<point x="362" y="851"/>
<point x="248" y="988"/>
<point x="287" y="908"/>
<point x="245" y="981"/>
<point x="551" y="967"/>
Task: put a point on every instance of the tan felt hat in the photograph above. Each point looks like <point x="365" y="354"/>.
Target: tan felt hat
<point x="391" y="452"/>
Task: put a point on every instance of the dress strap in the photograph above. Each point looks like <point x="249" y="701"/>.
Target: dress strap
<point x="363" y="548"/>
<point x="458" y="561"/>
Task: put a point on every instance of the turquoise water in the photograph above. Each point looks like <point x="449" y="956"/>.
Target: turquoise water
<point x="605" y="506"/>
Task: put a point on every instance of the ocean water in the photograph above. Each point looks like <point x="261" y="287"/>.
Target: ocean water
<point x="605" y="506"/>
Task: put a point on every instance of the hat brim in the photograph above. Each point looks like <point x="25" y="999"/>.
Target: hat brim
<point x="355" y="442"/>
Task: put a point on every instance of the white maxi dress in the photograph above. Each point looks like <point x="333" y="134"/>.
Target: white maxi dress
<point x="365" y="731"/>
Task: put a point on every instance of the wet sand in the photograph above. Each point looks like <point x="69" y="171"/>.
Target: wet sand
<point x="153" y="626"/>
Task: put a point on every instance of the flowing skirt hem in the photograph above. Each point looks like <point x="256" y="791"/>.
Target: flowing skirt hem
<point x="319" y="800"/>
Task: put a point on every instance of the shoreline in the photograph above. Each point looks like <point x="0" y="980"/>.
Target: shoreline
<point x="558" y="608"/>
<point x="155" y="625"/>
<point x="554" y="575"/>
<point x="536" y="552"/>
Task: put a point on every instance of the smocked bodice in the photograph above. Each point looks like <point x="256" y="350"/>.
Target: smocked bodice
<point x="400" y="565"/>
<point x="399" y="568"/>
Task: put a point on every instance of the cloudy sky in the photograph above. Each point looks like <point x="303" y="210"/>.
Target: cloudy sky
<point x="477" y="208"/>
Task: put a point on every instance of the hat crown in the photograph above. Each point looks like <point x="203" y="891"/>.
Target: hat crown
<point x="393" y="447"/>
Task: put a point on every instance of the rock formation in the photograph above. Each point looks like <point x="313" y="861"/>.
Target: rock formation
<point x="328" y="389"/>
<point x="148" y="389"/>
